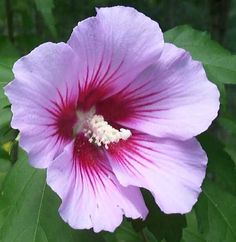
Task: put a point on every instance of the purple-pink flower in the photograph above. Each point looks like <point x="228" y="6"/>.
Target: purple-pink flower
<point x="114" y="109"/>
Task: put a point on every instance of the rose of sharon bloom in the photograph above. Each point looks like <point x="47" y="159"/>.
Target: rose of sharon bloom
<point x="114" y="109"/>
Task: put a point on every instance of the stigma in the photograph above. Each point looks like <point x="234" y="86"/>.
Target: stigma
<point x="98" y="131"/>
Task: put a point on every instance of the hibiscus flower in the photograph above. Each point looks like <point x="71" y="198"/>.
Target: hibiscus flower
<point x="112" y="110"/>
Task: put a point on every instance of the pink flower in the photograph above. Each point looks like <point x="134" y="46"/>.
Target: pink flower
<point x="114" y="109"/>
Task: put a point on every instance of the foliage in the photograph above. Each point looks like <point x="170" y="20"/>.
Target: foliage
<point x="28" y="208"/>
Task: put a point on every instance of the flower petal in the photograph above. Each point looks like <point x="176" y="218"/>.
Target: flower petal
<point x="171" y="99"/>
<point x="44" y="97"/>
<point x="113" y="48"/>
<point x="91" y="195"/>
<point x="172" y="170"/>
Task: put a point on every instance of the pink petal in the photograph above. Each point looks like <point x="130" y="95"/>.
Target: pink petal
<point x="171" y="99"/>
<point x="113" y="48"/>
<point x="44" y="98"/>
<point x="172" y="170"/>
<point x="91" y="195"/>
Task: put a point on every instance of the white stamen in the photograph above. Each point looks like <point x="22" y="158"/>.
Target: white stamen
<point x="100" y="132"/>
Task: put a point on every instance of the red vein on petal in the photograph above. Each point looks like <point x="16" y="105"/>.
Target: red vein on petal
<point x="90" y="162"/>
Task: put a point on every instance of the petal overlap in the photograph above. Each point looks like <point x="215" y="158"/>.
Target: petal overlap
<point x="43" y="97"/>
<point x="113" y="48"/>
<point x="172" y="170"/>
<point x="91" y="195"/>
<point x="172" y="98"/>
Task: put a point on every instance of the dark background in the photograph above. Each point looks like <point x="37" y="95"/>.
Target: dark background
<point x="29" y="22"/>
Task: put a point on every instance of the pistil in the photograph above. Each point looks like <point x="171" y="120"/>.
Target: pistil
<point x="97" y="130"/>
<point x="101" y="133"/>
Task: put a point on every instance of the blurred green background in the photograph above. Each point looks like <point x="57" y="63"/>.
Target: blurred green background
<point x="29" y="22"/>
<point x="24" y="24"/>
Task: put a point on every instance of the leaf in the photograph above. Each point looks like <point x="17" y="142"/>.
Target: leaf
<point x="202" y="48"/>
<point x="148" y="236"/>
<point x="5" y="166"/>
<point x="5" y="112"/>
<point x="8" y="53"/>
<point x="228" y="124"/>
<point x="216" y="208"/>
<point x="5" y="77"/>
<point x="45" y="8"/>
<point x="216" y="213"/>
<point x="8" y="56"/>
<point x="219" y="64"/>
<point x="5" y="74"/>
<point x="191" y="233"/>
<point x="230" y="149"/>
<point x="6" y="133"/>
<point x="229" y="127"/>
<point x="124" y="233"/>
<point x="28" y="209"/>
<point x="220" y="168"/>
<point x="163" y="226"/>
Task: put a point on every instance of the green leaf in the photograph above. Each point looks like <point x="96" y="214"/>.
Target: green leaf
<point x="163" y="226"/>
<point x="5" y="77"/>
<point x="124" y="233"/>
<point x="148" y="236"/>
<point x="5" y="114"/>
<point x="8" y="53"/>
<point x="5" y="166"/>
<point x="191" y="233"/>
<point x="230" y="149"/>
<point x="216" y="208"/>
<point x="216" y="213"/>
<point x="219" y="64"/>
<point x="228" y="124"/>
<point x="45" y="8"/>
<point x="6" y="133"/>
<point x="5" y="74"/>
<point x="215" y="58"/>
<point x="220" y="168"/>
<point x="198" y="43"/>
<point x="28" y="209"/>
